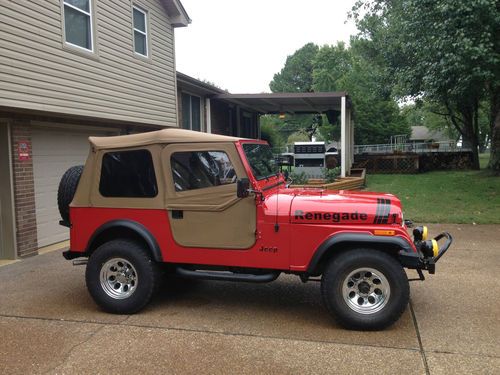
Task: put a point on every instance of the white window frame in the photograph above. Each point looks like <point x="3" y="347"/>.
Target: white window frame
<point x="89" y="13"/>
<point x="134" y="7"/>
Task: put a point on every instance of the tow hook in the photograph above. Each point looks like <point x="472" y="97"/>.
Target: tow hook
<point x="80" y="262"/>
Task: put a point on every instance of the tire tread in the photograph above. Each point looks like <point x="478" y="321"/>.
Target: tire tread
<point x="67" y="189"/>
<point x="341" y="317"/>
<point x="152" y="270"/>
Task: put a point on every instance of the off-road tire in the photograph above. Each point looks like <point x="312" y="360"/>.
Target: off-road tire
<point x="337" y="275"/>
<point x="67" y="189"/>
<point x="147" y="273"/>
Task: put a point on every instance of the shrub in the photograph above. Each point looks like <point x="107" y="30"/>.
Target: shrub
<point x="298" y="178"/>
<point x="330" y="175"/>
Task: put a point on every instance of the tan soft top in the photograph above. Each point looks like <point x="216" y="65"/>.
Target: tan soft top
<point x="165" y="136"/>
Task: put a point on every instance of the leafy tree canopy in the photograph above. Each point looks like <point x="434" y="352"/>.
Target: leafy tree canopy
<point x="298" y="137"/>
<point x="340" y="68"/>
<point x="296" y="75"/>
<point x="444" y="51"/>
<point x="376" y="114"/>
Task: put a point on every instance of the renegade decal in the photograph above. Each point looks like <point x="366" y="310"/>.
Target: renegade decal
<point x="335" y="217"/>
<point x="383" y="211"/>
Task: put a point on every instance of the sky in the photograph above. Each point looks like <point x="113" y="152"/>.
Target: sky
<point x="240" y="44"/>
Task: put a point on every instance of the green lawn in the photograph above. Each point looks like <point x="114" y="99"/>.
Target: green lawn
<point x="444" y="196"/>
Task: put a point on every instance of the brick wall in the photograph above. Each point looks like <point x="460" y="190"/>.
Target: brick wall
<point x="24" y="191"/>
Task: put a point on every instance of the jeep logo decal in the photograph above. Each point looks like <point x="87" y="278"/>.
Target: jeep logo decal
<point x="334" y="217"/>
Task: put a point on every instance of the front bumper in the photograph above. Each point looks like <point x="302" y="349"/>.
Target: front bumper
<point x="419" y="261"/>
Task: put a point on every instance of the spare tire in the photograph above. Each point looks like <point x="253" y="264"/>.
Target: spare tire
<point x="67" y="189"/>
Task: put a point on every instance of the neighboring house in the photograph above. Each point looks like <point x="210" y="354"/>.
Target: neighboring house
<point x="420" y="134"/>
<point x="70" y="69"/>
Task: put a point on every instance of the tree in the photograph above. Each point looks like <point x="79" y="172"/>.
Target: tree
<point x="446" y="52"/>
<point x="341" y="68"/>
<point x="270" y="131"/>
<point x="298" y="137"/>
<point x="296" y="75"/>
<point x="376" y="114"/>
<point x="328" y="132"/>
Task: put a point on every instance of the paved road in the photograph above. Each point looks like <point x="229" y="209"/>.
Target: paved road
<point x="49" y="324"/>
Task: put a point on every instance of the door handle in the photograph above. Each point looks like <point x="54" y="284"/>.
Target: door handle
<point x="177" y="214"/>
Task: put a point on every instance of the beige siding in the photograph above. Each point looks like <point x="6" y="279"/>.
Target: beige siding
<point x="39" y="72"/>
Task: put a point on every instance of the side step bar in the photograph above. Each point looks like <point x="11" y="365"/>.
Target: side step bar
<point x="227" y="276"/>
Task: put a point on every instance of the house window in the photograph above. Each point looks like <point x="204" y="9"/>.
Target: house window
<point x="201" y="169"/>
<point x="78" y="23"/>
<point x="140" y="32"/>
<point x="191" y="112"/>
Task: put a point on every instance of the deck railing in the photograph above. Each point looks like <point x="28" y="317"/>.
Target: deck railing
<point x="424" y="147"/>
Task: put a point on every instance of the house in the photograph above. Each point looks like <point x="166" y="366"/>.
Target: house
<point x="205" y="107"/>
<point x="70" y="69"/>
<point x="421" y="134"/>
<point x="201" y="109"/>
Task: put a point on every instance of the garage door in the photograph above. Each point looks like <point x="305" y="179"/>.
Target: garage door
<point x="54" y="151"/>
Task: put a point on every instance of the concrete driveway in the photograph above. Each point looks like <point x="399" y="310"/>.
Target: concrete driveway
<point x="49" y="324"/>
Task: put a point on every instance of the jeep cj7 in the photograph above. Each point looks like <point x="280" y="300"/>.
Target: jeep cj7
<point x="206" y="206"/>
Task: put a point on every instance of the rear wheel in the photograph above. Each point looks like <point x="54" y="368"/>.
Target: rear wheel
<point x="121" y="276"/>
<point x="365" y="289"/>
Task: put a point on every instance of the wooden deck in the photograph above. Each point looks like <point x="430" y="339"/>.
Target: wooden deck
<point x="355" y="181"/>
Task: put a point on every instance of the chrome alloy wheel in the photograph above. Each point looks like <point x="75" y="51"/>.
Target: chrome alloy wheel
<point x="366" y="290"/>
<point x="118" y="278"/>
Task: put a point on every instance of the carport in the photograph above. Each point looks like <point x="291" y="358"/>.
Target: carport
<point x="329" y="103"/>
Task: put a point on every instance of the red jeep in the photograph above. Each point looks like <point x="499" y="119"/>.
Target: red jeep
<point x="207" y="206"/>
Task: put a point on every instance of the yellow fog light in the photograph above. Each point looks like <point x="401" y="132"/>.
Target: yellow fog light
<point x="424" y="233"/>
<point x="435" y="247"/>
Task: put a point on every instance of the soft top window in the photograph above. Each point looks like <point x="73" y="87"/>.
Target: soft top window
<point x="201" y="169"/>
<point x="128" y="174"/>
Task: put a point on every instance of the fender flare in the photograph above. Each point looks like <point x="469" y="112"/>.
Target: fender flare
<point x="134" y="226"/>
<point x="355" y="238"/>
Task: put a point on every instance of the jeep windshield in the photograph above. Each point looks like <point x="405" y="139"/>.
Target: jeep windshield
<point x="261" y="160"/>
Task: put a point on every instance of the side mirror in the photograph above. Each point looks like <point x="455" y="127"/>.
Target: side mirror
<point x="242" y="186"/>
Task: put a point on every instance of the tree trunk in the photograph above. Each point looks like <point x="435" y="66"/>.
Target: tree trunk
<point x="469" y="134"/>
<point x="494" y="163"/>
<point x="475" y="154"/>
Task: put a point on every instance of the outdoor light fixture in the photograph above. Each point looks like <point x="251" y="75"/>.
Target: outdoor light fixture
<point x="282" y="116"/>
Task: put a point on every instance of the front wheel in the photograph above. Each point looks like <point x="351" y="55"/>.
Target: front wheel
<point x="121" y="277"/>
<point x="365" y="289"/>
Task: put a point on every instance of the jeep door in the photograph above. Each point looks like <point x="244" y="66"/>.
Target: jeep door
<point x="203" y="208"/>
